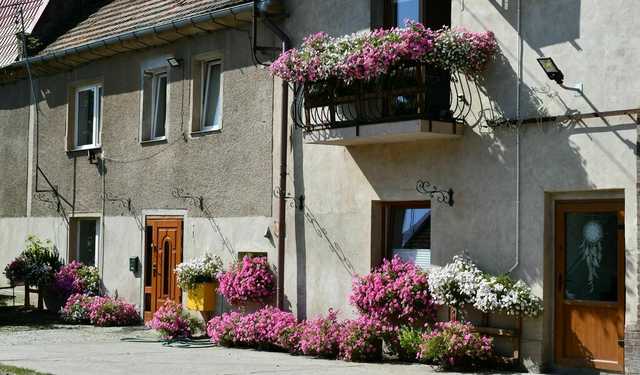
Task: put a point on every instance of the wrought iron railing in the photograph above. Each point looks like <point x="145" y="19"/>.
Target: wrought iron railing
<point x="405" y="93"/>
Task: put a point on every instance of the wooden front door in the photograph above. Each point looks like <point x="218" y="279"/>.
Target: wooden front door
<point x="163" y="251"/>
<point x="590" y="290"/>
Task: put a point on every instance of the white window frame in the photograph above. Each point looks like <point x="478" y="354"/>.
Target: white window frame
<point x="97" y="116"/>
<point x="206" y="76"/>
<point x="156" y="75"/>
<point x="77" y="221"/>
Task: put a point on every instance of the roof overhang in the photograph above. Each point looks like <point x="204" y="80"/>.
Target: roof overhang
<point x="145" y="37"/>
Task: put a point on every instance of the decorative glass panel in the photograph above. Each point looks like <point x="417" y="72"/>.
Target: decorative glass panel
<point x="591" y="269"/>
<point x="411" y="234"/>
<point x="166" y="272"/>
<point x="87" y="241"/>
<point x="85" y="113"/>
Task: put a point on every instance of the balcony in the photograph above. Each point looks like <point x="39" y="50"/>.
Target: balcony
<point x="412" y="102"/>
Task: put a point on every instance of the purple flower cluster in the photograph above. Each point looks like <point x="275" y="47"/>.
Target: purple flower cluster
<point x="76" y="278"/>
<point x="172" y="322"/>
<point x="247" y="281"/>
<point x="455" y="345"/>
<point x="99" y="311"/>
<point x="16" y="271"/>
<point x="369" y="55"/>
<point x="396" y="293"/>
<point x="262" y="329"/>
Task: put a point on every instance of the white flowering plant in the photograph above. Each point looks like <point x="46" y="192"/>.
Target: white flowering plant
<point x="461" y="283"/>
<point x="198" y="271"/>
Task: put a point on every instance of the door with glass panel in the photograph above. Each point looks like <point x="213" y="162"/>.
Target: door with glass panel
<point x="163" y="251"/>
<point x="590" y="290"/>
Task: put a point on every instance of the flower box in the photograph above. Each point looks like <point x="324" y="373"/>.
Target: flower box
<point x="202" y="297"/>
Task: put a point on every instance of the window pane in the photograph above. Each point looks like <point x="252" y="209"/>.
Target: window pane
<point x="411" y="234"/>
<point x="85" y="112"/>
<point x="404" y="10"/>
<point x="147" y="110"/>
<point x="99" y="115"/>
<point x="87" y="241"/>
<point x="591" y="256"/>
<point x="160" y="106"/>
<point x="212" y="103"/>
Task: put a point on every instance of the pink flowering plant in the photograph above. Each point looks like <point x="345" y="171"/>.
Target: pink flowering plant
<point x="99" y="311"/>
<point x="250" y="280"/>
<point x="76" y="309"/>
<point x="454" y="345"/>
<point x="367" y="56"/>
<point x="173" y="323"/>
<point x="360" y="340"/>
<point x="76" y="278"/>
<point x="396" y="293"/>
<point x="262" y="329"/>
<point x="320" y="336"/>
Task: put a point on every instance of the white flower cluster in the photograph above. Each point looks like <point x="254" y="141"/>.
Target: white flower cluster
<point x="198" y="270"/>
<point x="460" y="283"/>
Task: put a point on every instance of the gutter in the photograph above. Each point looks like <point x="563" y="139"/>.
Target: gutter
<point x="137" y="34"/>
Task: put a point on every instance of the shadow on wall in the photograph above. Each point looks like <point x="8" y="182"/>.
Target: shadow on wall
<point x="555" y="21"/>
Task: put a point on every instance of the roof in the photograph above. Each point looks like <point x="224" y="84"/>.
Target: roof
<point x="10" y="25"/>
<point x="121" y="16"/>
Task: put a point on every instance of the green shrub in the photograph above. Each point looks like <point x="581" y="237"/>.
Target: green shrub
<point x="409" y="340"/>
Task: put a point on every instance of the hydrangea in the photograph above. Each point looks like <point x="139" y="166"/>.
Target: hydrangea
<point x="198" y="270"/>
<point x="173" y="323"/>
<point x="369" y="55"/>
<point x="263" y="329"/>
<point x="249" y="280"/>
<point x="76" y="278"/>
<point x="397" y="292"/>
<point x="455" y="345"/>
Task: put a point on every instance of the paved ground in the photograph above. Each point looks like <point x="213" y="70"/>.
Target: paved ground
<point x="60" y="349"/>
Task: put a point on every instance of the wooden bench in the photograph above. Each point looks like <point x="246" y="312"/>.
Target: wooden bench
<point x="13" y="293"/>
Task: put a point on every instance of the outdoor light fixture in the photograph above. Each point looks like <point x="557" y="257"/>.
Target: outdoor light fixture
<point x="174" y="62"/>
<point x="550" y="67"/>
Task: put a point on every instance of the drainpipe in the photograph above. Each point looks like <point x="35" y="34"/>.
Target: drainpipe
<point x="284" y="137"/>
<point x="518" y="123"/>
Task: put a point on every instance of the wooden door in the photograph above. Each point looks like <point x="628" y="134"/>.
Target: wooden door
<point x="590" y="289"/>
<point x="163" y="252"/>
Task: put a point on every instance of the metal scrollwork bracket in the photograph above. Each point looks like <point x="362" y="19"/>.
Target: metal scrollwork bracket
<point x="294" y="202"/>
<point x="432" y="191"/>
<point x="196" y="200"/>
<point x="124" y="202"/>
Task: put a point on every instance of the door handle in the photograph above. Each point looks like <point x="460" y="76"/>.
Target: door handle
<point x="154" y="269"/>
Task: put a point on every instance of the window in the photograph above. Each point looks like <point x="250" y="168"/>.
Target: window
<point x="154" y="105"/>
<point x="84" y="240"/>
<point x="211" y="116"/>
<point x="432" y="13"/>
<point x="404" y="230"/>
<point x="88" y="111"/>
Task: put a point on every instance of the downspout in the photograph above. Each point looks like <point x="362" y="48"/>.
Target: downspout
<point x="284" y="137"/>
<point x="518" y="123"/>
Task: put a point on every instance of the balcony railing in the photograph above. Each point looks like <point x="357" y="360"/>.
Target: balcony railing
<point x="413" y="92"/>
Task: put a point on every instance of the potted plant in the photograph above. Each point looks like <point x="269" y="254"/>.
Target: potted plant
<point x="250" y="281"/>
<point x="199" y="278"/>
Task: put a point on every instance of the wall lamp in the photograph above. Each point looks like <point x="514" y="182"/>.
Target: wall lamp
<point x="551" y="69"/>
<point x="174" y="62"/>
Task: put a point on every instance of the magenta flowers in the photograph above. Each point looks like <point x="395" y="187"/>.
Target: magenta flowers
<point x="369" y="55"/>
<point x="75" y="278"/>
<point x="99" y="311"/>
<point x="247" y="281"/>
<point x="455" y="345"/>
<point x="395" y="293"/>
<point x="173" y="323"/>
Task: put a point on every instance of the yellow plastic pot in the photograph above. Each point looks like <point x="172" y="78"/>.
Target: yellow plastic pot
<point x="202" y="297"/>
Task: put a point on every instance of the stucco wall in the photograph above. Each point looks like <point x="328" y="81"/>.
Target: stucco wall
<point x="331" y="238"/>
<point x="14" y="133"/>
<point x="230" y="168"/>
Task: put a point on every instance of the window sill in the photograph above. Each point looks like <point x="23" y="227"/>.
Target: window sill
<point x="201" y="133"/>
<point x="150" y="142"/>
<point x="84" y="150"/>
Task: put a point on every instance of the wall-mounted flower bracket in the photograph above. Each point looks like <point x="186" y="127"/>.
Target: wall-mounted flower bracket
<point x="294" y="202"/>
<point x="432" y="191"/>
<point x="195" y="200"/>
<point x="125" y="203"/>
